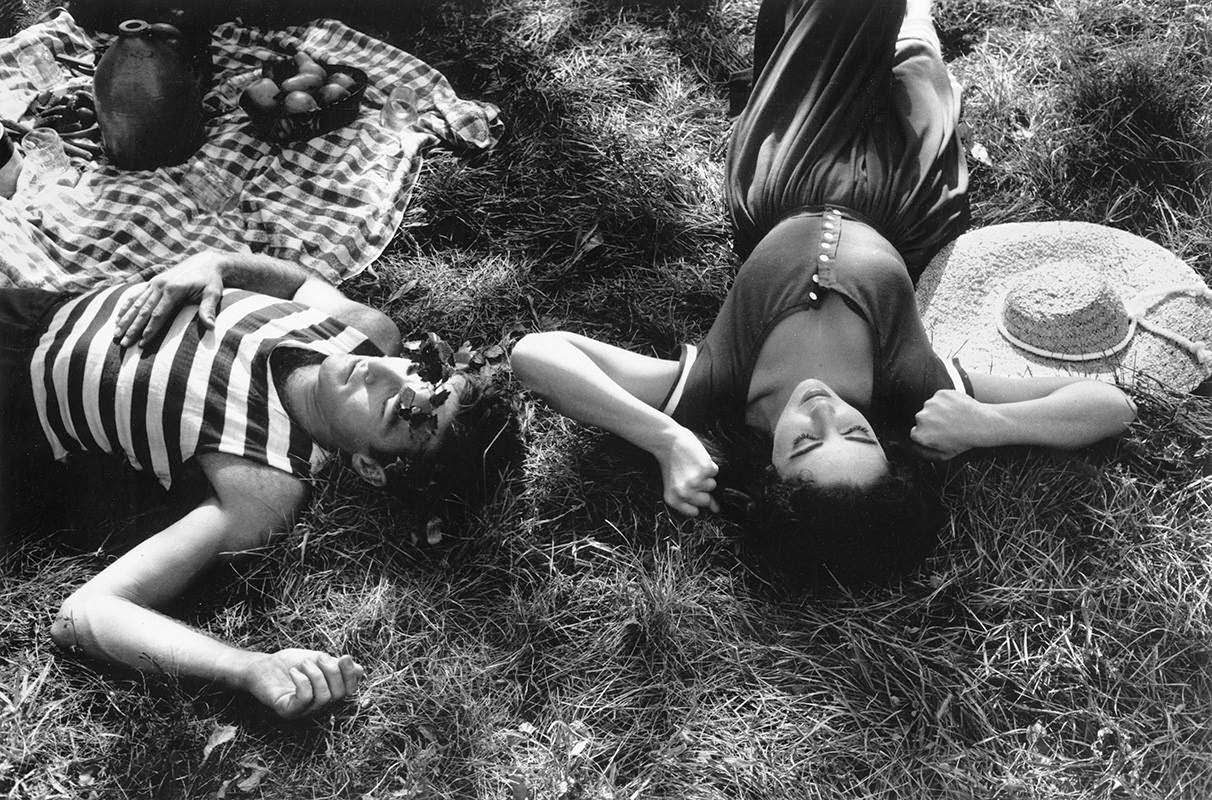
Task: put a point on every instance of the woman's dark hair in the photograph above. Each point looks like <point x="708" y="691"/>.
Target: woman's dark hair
<point x="809" y="536"/>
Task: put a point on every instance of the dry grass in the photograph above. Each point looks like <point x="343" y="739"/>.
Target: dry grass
<point x="575" y="641"/>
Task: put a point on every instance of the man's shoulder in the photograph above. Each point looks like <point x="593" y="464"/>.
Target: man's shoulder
<point x="243" y="482"/>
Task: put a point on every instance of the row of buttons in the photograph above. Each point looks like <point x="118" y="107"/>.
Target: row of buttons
<point x="831" y="229"/>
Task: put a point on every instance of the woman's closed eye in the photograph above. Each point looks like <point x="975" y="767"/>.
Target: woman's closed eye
<point x="865" y="436"/>
<point x="855" y="433"/>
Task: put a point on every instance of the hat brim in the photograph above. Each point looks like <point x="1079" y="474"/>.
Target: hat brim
<point x="961" y="292"/>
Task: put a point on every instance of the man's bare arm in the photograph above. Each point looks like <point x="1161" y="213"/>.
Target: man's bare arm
<point x="114" y="615"/>
<point x="202" y="277"/>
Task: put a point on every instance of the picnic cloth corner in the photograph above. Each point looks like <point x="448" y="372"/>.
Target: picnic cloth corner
<point x="331" y="203"/>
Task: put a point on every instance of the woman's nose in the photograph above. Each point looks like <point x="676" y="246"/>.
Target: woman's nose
<point x="821" y="416"/>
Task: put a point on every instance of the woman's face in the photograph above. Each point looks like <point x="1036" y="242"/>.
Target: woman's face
<point x="822" y="438"/>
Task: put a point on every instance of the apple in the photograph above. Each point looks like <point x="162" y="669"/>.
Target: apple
<point x="299" y="103"/>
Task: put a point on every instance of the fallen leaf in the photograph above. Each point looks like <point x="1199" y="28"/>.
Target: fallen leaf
<point x="518" y="789"/>
<point x="433" y="531"/>
<point x="254" y="779"/>
<point x="222" y="734"/>
<point x="404" y="289"/>
<point x="981" y="154"/>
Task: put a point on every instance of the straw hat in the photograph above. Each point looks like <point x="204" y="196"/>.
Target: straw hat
<point x="1051" y="298"/>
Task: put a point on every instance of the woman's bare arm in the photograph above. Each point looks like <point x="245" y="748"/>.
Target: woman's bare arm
<point x="618" y="390"/>
<point x="1062" y="412"/>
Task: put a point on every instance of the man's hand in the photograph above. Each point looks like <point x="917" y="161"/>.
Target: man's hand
<point x="688" y="473"/>
<point x="296" y="682"/>
<point x="950" y="423"/>
<point x="144" y="312"/>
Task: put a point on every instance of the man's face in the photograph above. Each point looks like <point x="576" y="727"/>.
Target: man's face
<point x="359" y="397"/>
<point x="822" y="438"/>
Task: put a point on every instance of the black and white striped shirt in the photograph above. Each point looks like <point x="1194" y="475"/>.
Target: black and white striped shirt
<point x="188" y="391"/>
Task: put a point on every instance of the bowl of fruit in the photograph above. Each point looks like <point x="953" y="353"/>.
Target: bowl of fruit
<point x="299" y="97"/>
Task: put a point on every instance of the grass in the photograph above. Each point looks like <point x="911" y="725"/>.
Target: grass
<point x="576" y="641"/>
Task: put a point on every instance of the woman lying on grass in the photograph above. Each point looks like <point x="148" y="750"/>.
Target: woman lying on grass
<point x="844" y="176"/>
<point x="250" y="370"/>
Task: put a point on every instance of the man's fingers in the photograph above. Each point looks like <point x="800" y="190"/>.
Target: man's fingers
<point x="289" y="705"/>
<point x="333" y="676"/>
<point x="321" y="696"/>
<point x="208" y="308"/>
<point x="155" y="320"/>
<point x="136" y="324"/>
<point x="131" y="304"/>
<point x="351" y="673"/>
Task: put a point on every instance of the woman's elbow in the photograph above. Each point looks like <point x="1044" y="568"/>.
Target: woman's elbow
<point x="70" y="630"/>
<point x="1121" y="410"/>
<point x="528" y="356"/>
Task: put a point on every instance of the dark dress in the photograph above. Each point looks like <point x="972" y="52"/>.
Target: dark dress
<point x="844" y="174"/>
<point x="846" y="112"/>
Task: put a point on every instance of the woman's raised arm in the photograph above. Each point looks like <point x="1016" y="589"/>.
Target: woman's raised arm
<point x="1063" y="412"/>
<point x="619" y="390"/>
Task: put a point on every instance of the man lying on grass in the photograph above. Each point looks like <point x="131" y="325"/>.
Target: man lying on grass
<point x="243" y="366"/>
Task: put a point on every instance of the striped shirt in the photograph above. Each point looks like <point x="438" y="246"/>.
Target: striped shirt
<point x="188" y="391"/>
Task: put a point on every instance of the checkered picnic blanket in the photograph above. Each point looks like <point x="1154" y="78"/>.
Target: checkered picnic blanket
<point x="331" y="203"/>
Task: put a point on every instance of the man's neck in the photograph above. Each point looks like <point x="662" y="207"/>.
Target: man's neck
<point x="296" y="373"/>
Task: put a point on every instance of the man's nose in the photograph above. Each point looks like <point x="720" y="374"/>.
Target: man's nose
<point x="377" y="372"/>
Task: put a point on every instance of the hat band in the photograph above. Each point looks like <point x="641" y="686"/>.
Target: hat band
<point x="1140" y="305"/>
<point x="1039" y="351"/>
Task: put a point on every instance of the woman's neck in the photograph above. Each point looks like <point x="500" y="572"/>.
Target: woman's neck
<point x="831" y="343"/>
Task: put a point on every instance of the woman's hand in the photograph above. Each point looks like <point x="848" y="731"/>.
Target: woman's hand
<point x="688" y="473"/>
<point x="296" y="682"/>
<point x="143" y="312"/>
<point x="950" y="423"/>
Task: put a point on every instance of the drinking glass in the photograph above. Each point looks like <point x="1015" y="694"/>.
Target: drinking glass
<point x="400" y="110"/>
<point x="40" y="67"/>
<point x="213" y="190"/>
<point x="45" y="163"/>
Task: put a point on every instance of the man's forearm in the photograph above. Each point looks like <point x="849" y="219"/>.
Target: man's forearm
<point x="123" y="632"/>
<point x="261" y="273"/>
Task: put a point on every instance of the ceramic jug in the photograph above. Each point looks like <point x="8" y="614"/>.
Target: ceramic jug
<point x="148" y="92"/>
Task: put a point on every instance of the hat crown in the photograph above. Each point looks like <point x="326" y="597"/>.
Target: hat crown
<point x="1065" y="309"/>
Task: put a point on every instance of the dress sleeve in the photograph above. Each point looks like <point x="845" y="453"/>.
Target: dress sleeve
<point x="676" y="392"/>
